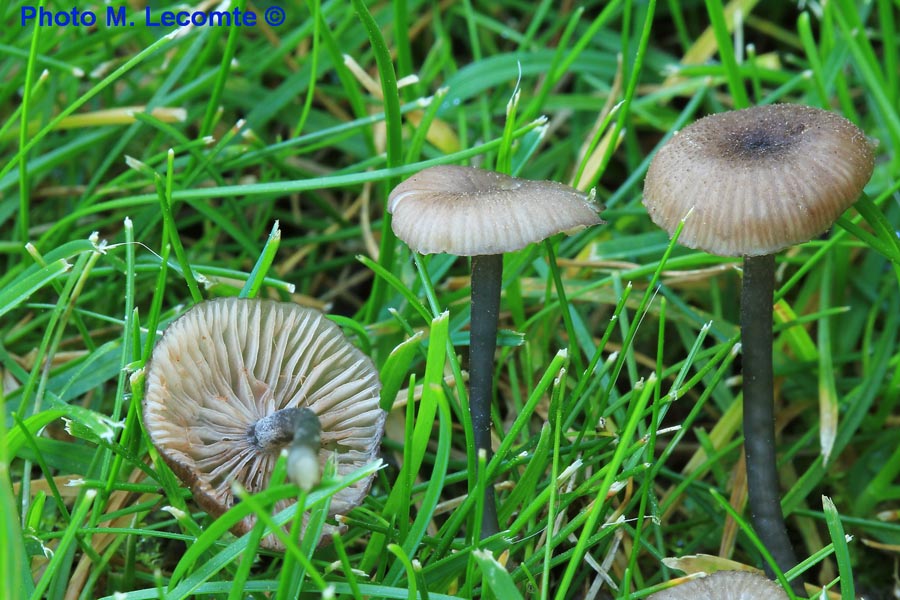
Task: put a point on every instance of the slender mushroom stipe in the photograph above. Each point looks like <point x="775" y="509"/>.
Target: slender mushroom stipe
<point x="487" y="273"/>
<point x="302" y="461"/>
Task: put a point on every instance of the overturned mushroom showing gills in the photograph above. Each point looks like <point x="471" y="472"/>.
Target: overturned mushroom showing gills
<point x="482" y="214"/>
<point x="756" y="181"/>
<point x="230" y="385"/>
<point x="722" y="585"/>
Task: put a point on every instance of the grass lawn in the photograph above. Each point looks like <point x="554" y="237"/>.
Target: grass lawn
<point x="146" y="167"/>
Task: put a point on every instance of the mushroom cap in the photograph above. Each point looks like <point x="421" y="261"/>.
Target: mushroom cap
<point x="733" y="585"/>
<point x="759" y="179"/>
<point x="472" y="212"/>
<point x="227" y="363"/>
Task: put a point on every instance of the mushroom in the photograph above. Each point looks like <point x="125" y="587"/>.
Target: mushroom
<point x="472" y="212"/>
<point x="232" y="383"/>
<point x="733" y="585"/>
<point x="756" y="181"/>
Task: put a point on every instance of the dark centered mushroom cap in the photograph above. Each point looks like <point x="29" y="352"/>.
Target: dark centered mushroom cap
<point x="722" y="585"/>
<point x="758" y="180"/>
<point x="227" y="363"/>
<point x="473" y="212"/>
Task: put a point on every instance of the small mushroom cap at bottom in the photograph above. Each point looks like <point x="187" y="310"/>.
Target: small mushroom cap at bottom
<point x="473" y="212"/>
<point x="228" y="363"/>
<point x="725" y="585"/>
<point x="758" y="180"/>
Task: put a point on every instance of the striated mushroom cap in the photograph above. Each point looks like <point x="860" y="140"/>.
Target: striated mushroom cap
<point x="219" y="382"/>
<point x="758" y="180"/>
<point x="473" y="212"/>
<point x="725" y="585"/>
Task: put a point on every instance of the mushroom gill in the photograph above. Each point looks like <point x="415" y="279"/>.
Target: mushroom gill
<point x="224" y="381"/>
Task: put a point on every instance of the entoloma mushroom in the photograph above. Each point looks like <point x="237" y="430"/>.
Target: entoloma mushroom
<point x="756" y="181"/>
<point x="722" y="585"/>
<point x="472" y="212"/>
<point x="233" y="382"/>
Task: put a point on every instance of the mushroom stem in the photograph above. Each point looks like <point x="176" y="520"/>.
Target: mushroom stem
<point x="487" y="273"/>
<point x="274" y="431"/>
<point x="303" y="456"/>
<point x="757" y="297"/>
<point x="307" y="428"/>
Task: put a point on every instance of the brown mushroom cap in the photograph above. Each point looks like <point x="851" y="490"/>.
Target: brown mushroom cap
<point x="721" y="585"/>
<point x="758" y="180"/>
<point x="473" y="212"/>
<point x="229" y="363"/>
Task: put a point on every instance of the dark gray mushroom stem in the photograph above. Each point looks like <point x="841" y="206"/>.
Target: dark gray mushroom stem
<point x="302" y="460"/>
<point x="487" y="273"/>
<point x="302" y="428"/>
<point x="307" y="429"/>
<point x="272" y="432"/>
<point x="759" y="414"/>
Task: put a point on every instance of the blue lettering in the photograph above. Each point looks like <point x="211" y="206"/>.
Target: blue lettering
<point x="28" y="13"/>
<point x="115" y="17"/>
<point x="168" y="18"/>
<point x="45" y="14"/>
<point x="148" y="18"/>
<point x="182" y="18"/>
<point x="219" y="18"/>
<point x="47" y="18"/>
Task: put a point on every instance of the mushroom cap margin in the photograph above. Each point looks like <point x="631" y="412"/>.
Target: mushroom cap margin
<point x="472" y="212"/>
<point x="733" y="585"/>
